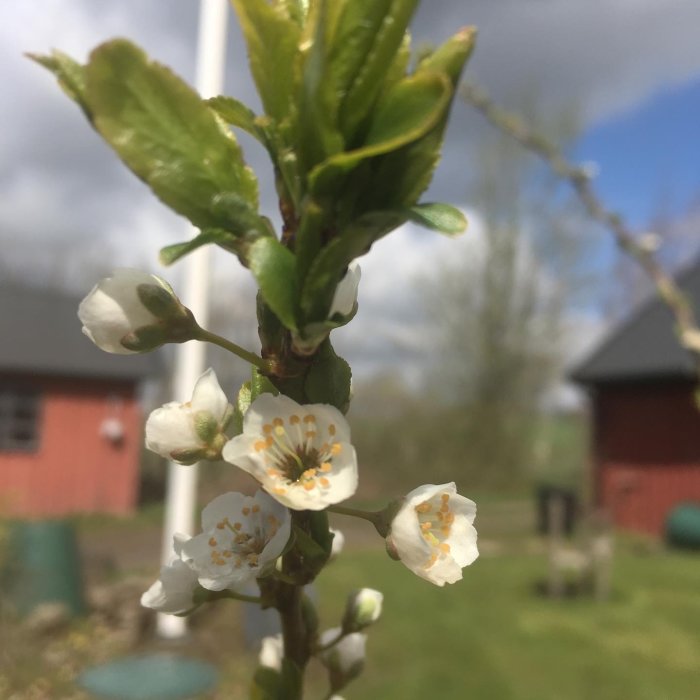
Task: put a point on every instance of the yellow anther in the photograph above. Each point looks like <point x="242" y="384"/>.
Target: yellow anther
<point x="212" y="542"/>
<point x="267" y="428"/>
<point x="446" y="529"/>
<point x="336" y="449"/>
<point x="449" y="518"/>
<point x="256" y="508"/>
<point x="245" y="511"/>
<point x="269" y="441"/>
<point x="426" y="526"/>
<point x="309" y="418"/>
<point x="331" y="429"/>
<point x="260" y="445"/>
<point x="294" y="420"/>
<point x="227" y="553"/>
<point x="309" y="474"/>
<point x="274" y="473"/>
<point x="237" y="526"/>
<point x="424" y="507"/>
<point x="445" y="508"/>
<point x="221" y="525"/>
<point x="279" y="430"/>
<point x="445" y="497"/>
<point x="310" y="434"/>
<point x="325" y="467"/>
<point x="440" y="516"/>
<point x="431" y="561"/>
<point x="308" y="485"/>
<point x="277" y="422"/>
<point x="445" y="548"/>
<point x="279" y="491"/>
<point x="253" y="559"/>
<point x="324" y="482"/>
<point x="272" y="520"/>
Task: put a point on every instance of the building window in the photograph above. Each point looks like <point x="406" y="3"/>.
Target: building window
<point x="19" y="418"/>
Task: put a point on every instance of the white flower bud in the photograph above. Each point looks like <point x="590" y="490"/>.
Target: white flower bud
<point x="134" y="311"/>
<point x="345" y="659"/>
<point x="363" y="608"/>
<point x="338" y="543"/>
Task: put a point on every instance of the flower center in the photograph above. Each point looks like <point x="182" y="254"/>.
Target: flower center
<point x="435" y="518"/>
<point x="297" y="453"/>
<point x="241" y="543"/>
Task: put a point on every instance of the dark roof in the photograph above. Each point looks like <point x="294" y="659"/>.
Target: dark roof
<point x="646" y="345"/>
<point x="40" y="333"/>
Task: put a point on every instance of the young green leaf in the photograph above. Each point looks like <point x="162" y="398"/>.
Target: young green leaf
<point x="170" y="253"/>
<point x="273" y="45"/>
<point x="70" y="74"/>
<point x="410" y="109"/>
<point x="163" y="131"/>
<point x="439" y="217"/>
<point x="273" y="267"/>
<point x="234" y="112"/>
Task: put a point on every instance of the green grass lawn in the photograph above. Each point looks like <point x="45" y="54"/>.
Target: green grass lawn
<point x="492" y="637"/>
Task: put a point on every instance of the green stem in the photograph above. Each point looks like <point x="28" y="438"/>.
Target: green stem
<point x="373" y="517"/>
<point x="209" y="337"/>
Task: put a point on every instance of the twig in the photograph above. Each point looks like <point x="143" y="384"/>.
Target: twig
<point x="580" y="180"/>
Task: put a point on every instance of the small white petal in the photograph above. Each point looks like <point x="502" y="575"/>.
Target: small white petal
<point x="209" y="396"/>
<point x="271" y="652"/>
<point x="345" y="296"/>
<point x="338" y="542"/>
<point x="170" y="428"/>
<point x="173" y="592"/>
<point x="347" y="655"/>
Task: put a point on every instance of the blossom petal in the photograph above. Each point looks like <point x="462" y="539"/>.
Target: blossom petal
<point x="170" y="428"/>
<point x="209" y="396"/>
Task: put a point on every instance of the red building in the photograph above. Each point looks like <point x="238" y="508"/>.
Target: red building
<point x="70" y="422"/>
<point x="646" y="424"/>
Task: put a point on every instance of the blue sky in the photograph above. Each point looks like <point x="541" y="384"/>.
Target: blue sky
<point x="649" y="156"/>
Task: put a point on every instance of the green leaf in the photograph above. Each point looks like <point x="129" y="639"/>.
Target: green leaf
<point x="439" y="217"/>
<point x="410" y="109"/>
<point x="274" y="268"/>
<point x="328" y="380"/>
<point x="237" y="114"/>
<point x="400" y="177"/>
<point x="243" y="401"/>
<point x="273" y="40"/>
<point x="376" y="59"/>
<point x="170" y="253"/>
<point x="330" y="264"/>
<point x="168" y="137"/>
<point x="70" y="74"/>
<point x="260" y="384"/>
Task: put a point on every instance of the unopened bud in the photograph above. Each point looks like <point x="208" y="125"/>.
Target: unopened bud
<point x="363" y="608"/>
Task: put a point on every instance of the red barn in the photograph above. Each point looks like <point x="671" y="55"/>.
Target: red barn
<point x="646" y="424"/>
<point x="70" y="422"/>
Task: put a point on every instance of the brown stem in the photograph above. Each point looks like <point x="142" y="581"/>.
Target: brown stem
<point x="293" y="628"/>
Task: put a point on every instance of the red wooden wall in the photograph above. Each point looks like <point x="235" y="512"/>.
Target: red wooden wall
<point x="75" y="467"/>
<point x="647" y="451"/>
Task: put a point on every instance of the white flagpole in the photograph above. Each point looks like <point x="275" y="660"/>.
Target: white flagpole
<point x="181" y="492"/>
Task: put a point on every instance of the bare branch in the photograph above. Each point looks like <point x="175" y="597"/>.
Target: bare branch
<point x="580" y="180"/>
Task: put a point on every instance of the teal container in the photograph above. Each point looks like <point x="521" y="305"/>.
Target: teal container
<point x="683" y="526"/>
<point x="43" y="566"/>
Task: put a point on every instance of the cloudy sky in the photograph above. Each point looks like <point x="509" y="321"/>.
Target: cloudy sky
<point x="70" y="211"/>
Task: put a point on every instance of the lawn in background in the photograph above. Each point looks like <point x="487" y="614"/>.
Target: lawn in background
<point x="492" y="637"/>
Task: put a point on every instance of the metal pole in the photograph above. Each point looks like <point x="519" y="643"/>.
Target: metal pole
<point x="181" y="493"/>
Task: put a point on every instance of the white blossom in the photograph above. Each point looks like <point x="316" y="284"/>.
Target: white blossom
<point x="188" y="432"/>
<point x="271" y="652"/>
<point x="242" y="537"/>
<point x="301" y="455"/>
<point x="433" y="534"/>
<point x="132" y="311"/>
<point x="173" y="592"/>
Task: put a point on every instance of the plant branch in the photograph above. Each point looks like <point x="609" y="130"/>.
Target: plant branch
<point x="580" y="180"/>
